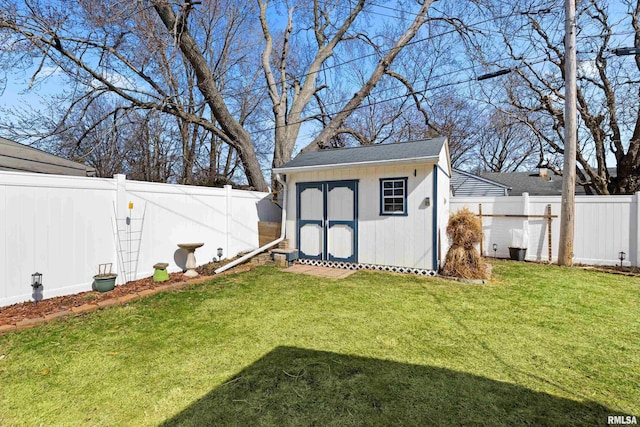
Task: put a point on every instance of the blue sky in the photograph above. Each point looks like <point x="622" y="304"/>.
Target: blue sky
<point x="18" y="94"/>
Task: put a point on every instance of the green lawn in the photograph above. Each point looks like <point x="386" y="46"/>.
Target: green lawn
<point x="538" y="346"/>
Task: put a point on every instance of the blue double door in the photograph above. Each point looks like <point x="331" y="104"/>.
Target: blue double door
<point x="327" y="220"/>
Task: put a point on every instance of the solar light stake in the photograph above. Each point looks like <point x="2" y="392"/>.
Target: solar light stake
<point x="495" y="249"/>
<point x="36" y="284"/>
<point x="220" y="253"/>
<point x="621" y="256"/>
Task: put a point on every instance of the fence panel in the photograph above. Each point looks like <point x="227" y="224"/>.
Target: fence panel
<point x="538" y="228"/>
<point x="56" y="225"/>
<point x="65" y="226"/>
<point x="604" y="226"/>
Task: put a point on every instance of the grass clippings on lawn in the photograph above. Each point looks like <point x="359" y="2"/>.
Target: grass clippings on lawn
<point x="538" y="346"/>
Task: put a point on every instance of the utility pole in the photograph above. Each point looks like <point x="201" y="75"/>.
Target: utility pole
<point x="567" y="210"/>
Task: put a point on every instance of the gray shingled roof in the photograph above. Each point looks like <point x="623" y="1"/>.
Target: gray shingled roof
<point x="23" y="158"/>
<point x="530" y="182"/>
<point x="427" y="149"/>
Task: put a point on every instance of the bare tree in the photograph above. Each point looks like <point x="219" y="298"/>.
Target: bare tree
<point x="152" y="154"/>
<point x="119" y="49"/>
<point x="290" y="99"/>
<point x="504" y="144"/>
<point x="419" y="97"/>
<point x="102" y="138"/>
<point x="379" y="119"/>
<point x="607" y="88"/>
<point x="169" y="57"/>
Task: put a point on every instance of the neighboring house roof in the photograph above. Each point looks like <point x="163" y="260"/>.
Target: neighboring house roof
<point x="19" y="157"/>
<point x="538" y="183"/>
<point x="402" y="152"/>
<point x="465" y="184"/>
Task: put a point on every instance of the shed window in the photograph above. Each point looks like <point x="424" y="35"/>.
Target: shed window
<point x="393" y="196"/>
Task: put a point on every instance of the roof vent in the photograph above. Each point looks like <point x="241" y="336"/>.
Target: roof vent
<point x="543" y="173"/>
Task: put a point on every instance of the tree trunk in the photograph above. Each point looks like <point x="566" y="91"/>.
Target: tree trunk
<point x="238" y="137"/>
<point x="338" y="120"/>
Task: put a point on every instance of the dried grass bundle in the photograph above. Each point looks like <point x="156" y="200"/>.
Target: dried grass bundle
<point x="463" y="260"/>
<point x="464" y="263"/>
<point x="464" y="229"/>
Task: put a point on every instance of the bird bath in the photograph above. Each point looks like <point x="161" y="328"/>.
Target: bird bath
<point x="191" y="257"/>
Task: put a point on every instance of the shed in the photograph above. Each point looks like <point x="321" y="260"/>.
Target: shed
<point x="22" y="158"/>
<point x="381" y="207"/>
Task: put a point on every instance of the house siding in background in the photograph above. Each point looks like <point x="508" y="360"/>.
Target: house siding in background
<point x="465" y="184"/>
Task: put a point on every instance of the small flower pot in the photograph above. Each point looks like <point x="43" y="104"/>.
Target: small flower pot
<point x="517" y="254"/>
<point x="104" y="282"/>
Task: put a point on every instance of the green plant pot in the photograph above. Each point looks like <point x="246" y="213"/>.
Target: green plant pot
<point x="105" y="283"/>
<point x="160" y="275"/>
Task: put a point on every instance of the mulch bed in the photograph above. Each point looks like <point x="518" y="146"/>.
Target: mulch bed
<point x="15" y="313"/>
<point x="612" y="269"/>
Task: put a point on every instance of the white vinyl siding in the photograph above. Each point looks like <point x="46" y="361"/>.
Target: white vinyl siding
<point x="468" y="185"/>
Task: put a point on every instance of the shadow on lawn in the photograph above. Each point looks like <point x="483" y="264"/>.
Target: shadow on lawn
<point x="294" y="386"/>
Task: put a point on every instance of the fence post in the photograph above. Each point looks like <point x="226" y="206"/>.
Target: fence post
<point x="636" y="236"/>
<point x="525" y="205"/>
<point x="482" y="228"/>
<point x="229" y="212"/>
<point x="549" y="235"/>
<point x="121" y="195"/>
<point x="525" y="221"/>
<point x="121" y="214"/>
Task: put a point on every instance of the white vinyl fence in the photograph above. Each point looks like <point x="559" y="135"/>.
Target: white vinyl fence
<point x="604" y="226"/>
<point x="63" y="227"/>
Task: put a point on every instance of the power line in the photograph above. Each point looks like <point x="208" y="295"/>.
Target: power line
<point x="355" y="59"/>
<point x="431" y="37"/>
<point x="371" y="12"/>
<point x="394" y="98"/>
<point x="359" y="58"/>
<point x="424" y="39"/>
<point x="426" y="80"/>
<point x="400" y="86"/>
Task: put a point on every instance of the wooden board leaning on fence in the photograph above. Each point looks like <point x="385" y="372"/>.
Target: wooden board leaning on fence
<point x="548" y="216"/>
